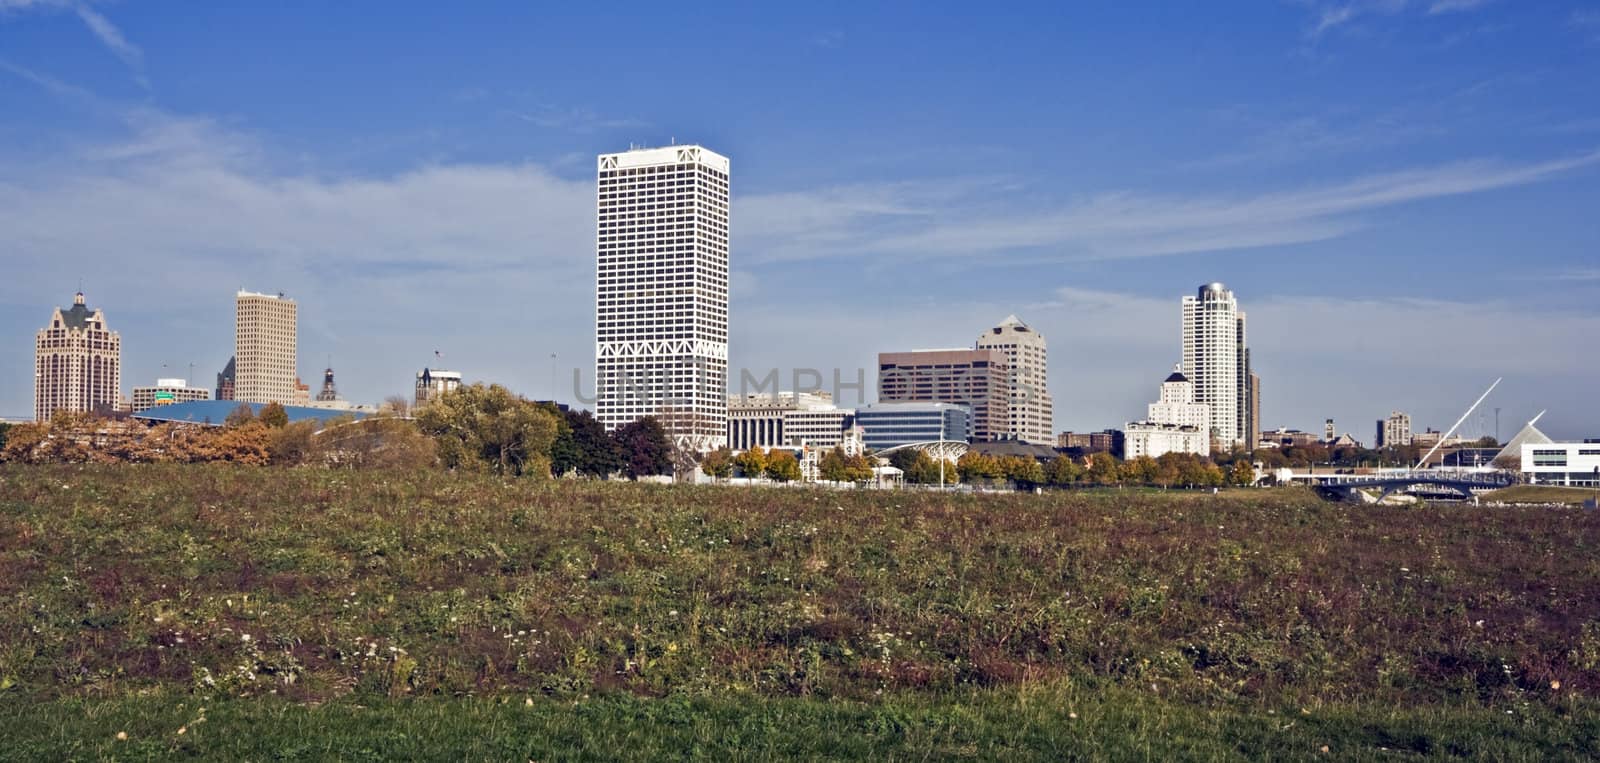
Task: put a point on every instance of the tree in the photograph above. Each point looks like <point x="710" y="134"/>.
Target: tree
<point x="23" y="442"/>
<point x="380" y="442"/>
<point x="1104" y="469"/>
<point x="1024" y="471"/>
<point x="1168" y="470"/>
<point x="718" y="464"/>
<point x="291" y="445"/>
<point x="487" y="428"/>
<point x="782" y="466"/>
<point x="974" y="466"/>
<point x="4" y="427"/>
<point x="644" y="447"/>
<point x="752" y="463"/>
<point x="396" y="405"/>
<point x="1242" y="474"/>
<point x="1063" y="471"/>
<point x="1141" y="470"/>
<point x="273" y="415"/>
<point x="241" y="414"/>
<point x="838" y="467"/>
<point x="596" y="453"/>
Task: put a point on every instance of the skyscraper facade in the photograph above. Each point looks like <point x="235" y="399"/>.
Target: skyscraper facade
<point x="974" y="378"/>
<point x="1029" y="410"/>
<point x="265" y="348"/>
<point x="1217" y="360"/>
<point x="661" y="292"/>
<point x="77" y="363"/>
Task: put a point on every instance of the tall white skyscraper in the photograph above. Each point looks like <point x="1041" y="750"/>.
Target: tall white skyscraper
<point x="266" y="339"/>
<point x="77" y="363"/>
<point x="661" y="292"/>
<point x="1030" y="412"/>
<point x="1216" y="359"/>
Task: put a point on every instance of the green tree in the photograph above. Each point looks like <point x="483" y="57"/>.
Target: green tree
<point x="273" y="415"/>
<point x="718" y="464"/>
<point x="1242" y="473"/>
<point x="752" y="463"/>
<point x="4" y="427"/>
<point x="835" y="466"/>
<point x="1104" y="469"/>
<point x="782" y="466"/>
<point x="1168" y="469"/>
<point x="974" y="467"/>
<point x="1063" y="471"/>
<point x="1024" y="471"/>
<point x="644" y="448"/>
<point x="488" y="428"/>
<point x="597" y="453"/>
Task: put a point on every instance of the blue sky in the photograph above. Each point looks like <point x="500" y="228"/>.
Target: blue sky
<point x="1402" y="193"/>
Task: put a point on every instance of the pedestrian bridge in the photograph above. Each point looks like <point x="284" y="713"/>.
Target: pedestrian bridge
<point x="1464" y="483"/>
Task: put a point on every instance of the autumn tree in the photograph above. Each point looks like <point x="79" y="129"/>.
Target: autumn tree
<point x="782" y="466"/>
<point x="379" y="442"/>
<point x="1104" y="469"/>
<point x="718" y="464"/>
<point x="240" y="415"/>
<point x="752" y="462"/>
<point x="1024" y="471"/>
<point x="1242" y="474"/>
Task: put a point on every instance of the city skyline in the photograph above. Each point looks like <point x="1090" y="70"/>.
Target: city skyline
<point x="1395" y="180"/>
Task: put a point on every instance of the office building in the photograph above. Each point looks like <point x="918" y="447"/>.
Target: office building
<point x="1175" y="423"/>
<point x="890" y="425"/>
<point x="1216" y="359"/>
<point x="1395" y="431"/>
<point x="1255" y="411"/>
<point x="786" y="419"/>
<point x="973" y="378"/>
<point x="226" y="380"/>
<point x="77" y="363"/>
<point x="1089" y="442"/>
<point x="167" y="392"/>
<point x="1029" y="412"/>
<point x="1574" y="464"/>
<point x="432" y="382"/>
<point x="661" y="296"/>
<point x="265" y="349"/>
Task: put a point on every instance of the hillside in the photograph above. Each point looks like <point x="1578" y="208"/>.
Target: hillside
<point x="281" y="596"/>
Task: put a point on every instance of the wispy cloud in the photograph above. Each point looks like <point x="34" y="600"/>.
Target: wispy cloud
<point x="1455" y="6"/>
<point x="897" y="220"/>
<point x="1587" y="22"/>
<point x="577" y="119"/>
<point x="98" y="25"/>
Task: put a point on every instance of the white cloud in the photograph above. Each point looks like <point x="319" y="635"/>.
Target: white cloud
<point x="1455" y="6"/>
<point x="111" y="37"/>
<point x="902" y="220"/>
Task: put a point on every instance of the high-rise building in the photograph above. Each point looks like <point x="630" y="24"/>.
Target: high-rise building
<point x="167" y="392"/>
<point x="226" y="380"/>
<point x="265" y="346"/>
<point x="1395" y="430"/>
<point x="661" y="292"/>
<point x="432" y="382"/>
<point x="1029" y="410"/>
<point x="77" y="363"/>
<point x="1215" y="358"/>
<point x="1255" y="411"/>
<point x="974" y="378"/>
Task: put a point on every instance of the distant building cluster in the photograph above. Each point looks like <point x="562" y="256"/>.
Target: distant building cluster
<point x="661" y="350"/>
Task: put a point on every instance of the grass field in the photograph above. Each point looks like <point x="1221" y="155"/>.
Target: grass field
<point x="1540" y="494"/>
<point x="402" y="616"/>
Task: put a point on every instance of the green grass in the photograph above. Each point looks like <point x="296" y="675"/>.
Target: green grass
<point x="992" y="725"/>
<point x="308" y="607"/>
<point x="1540" y="494"/>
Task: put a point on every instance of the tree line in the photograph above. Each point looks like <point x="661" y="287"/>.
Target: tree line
<point x="477" y="428"/>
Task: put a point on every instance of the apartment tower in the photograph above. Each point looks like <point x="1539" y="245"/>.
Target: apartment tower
<point x="1030" y="412"/>
<point x="1217" y="360"/>
<point x="265" y="345"/>
<point x="661" y="292"/>
<point x="77" y="363"/>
